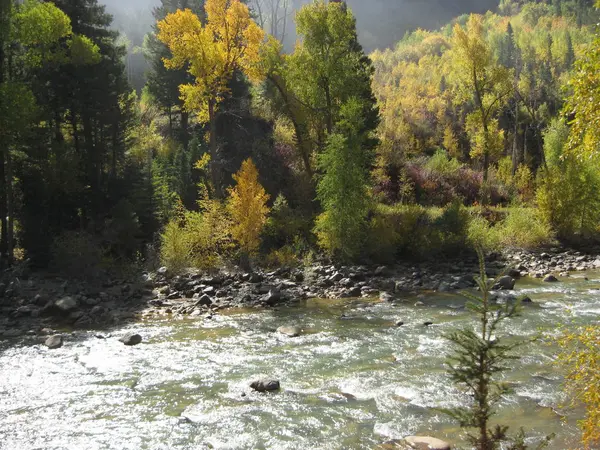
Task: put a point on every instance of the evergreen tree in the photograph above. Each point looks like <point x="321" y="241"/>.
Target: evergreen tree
<point x="344" y="187"/>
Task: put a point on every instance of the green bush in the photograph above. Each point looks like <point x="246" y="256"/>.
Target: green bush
<point x="525" y="228"/>
<point x="197" y="239"/>
<point x="481" y="234"/>
<point x="417" y="232"/>
<point x="568" y="192"/>
<point x="440" y="163"/>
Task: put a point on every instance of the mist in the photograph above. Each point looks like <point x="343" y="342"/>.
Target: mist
<point x="381" y="23"/>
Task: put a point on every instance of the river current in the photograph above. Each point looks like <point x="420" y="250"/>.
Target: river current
<point x="352" y="380"/>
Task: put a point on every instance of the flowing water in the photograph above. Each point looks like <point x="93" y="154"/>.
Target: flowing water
<point x="348" y="382"/>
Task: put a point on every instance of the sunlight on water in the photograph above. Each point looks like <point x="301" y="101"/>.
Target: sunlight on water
<point x="350" y="381"/>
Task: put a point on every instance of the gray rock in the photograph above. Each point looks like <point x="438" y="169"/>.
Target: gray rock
<point x="386" y="297"/>
<point x="66" y="304"/>
<point x="273" y="297"/>
<point x="505" y="283"/>
<point x="131" y="339"/>
<point x="550" y="279"/>
<point x="427" y="443"/>
<point x="205" y="300"/>
<point x="265" y="385"/>
<point x="55" y="341"/>
<point x="162" y="271"/>
<point x="290" y="331"/>
<point x="444" y="287"/>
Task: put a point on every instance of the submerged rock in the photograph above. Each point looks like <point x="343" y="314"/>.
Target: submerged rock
<point x="55" y="341"/>
<point x="427" y="443"/>
<point x="131" y="339"/>
<point x="550" y="279"/>
<point x="290" y="331"/>
<point x="265" y="385"/>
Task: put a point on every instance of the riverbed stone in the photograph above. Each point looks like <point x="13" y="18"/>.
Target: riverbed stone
<point x="54" y="341"/>
<point x="550" y="279"/>
<point x="131" y="339"/>
<point x="427" y="443"/>
<point x="265" y="385"/>
<point x="204" y="300"/>
<point x="506" y="283"/>
<point x="292" y="331"/>
<point x="66" y="304"/>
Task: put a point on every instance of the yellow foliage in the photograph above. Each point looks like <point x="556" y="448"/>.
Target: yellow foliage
<point x="229" y="41"/>
<point x="248" y="207"/>
<point x="581" y="357"/>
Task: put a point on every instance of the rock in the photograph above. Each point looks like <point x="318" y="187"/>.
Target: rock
<point x="386" y="297"/>
<point x="66" y="304"/>
<point x="426" y="443"/>
<point x="84" y="321"/>
<point x="55" y="341"/>
<point x="444" y="287"/>
<point x="265" y="385"/>
<point x="526" y="299"/>
<point x="550" y="279"/>
<point x="205" y="300"/>
<point x="427" y="324"/>
<point x="505" y="283"/>
<point x="290" y="331"/>
<point x="514" y="273"/>
<point x="380" y="271"/>
<point x="273" y="297"/>
<point x="399" y="323"/>
<point x="131" y="339"/>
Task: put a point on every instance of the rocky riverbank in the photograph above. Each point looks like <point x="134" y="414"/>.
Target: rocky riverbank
<point x="34" y="304"/>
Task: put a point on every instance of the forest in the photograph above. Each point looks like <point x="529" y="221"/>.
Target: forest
<point x="262" y="135"/>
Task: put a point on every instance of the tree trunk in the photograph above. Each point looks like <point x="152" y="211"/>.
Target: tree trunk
<point x="185" y="123"/>
<point x="9" y="207"/>
<point x="3" y="211"/>
<point x="215" y="170"/>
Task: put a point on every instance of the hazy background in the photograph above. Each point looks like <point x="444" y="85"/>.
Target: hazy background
<point x="381" y="23"/>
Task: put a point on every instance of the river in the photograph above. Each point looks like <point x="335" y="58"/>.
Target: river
<point x="351" y="381"/>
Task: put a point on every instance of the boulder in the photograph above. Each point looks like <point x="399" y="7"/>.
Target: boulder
<point x="265" y="385"/>
<point x="386" y="297"/>
<point x="550" y="279"/>
<point x="65" y="304"/>
<point x="505" y="283"/>
<point x="205" y="300"/>
<point x="131" y="339"/>
<point x="427" y="443"/>
<point x="290" y="331"/>
<point x="55" y="341"/>
<point x="273" y="297"/>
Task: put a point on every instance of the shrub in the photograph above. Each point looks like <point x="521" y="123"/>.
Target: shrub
<point x="286" y="256"/>
<point x="441" y="164"/>
<point x="481" y="234"/>
<point x="197" y="239"/>
<point x="525" y="228"/>
<point x="77" y="254"/>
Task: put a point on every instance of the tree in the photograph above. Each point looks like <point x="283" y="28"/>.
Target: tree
<point x="229" y="41"/>
<point x="163" y="83"/>
<point x="581" y="358"/>
<point x="29" y="40"/>
<point x="478" y="359"/>
<point x="582" y="104"/>
<point x="273" y="16"/>
<point x="247" y="205"/>
<point x="483" y="81"/>
<point x="344" y="187"/>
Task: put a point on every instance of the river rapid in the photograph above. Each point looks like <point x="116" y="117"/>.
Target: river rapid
<point x="352" y="380"/>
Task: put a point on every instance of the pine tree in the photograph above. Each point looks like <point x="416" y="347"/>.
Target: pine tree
<point x="478" y="359"/>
